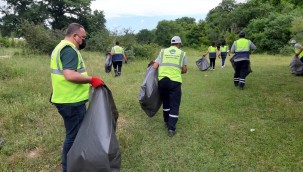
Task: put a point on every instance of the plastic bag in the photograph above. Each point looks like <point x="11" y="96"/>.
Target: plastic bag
<point x="96" y="147"/>
<point x="202" y="63"/>
<point x="149" y="95"/>
<point x="232" y="61"/>
<point x="108" y="63"/>
<point x="296" y="66"/>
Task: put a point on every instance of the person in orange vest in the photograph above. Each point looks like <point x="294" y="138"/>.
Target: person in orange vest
<point x="213" y="53"/>
<point x="241" y="48"/>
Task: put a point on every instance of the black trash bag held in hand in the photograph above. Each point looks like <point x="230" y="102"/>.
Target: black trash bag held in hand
<point x="296" y="66"/>
<point x="96" y="147"/>
<point x="149" y="95"/>
<point x="202" y="63"/>
<point x="232" y="61"/>
<point x="108" y="63"/>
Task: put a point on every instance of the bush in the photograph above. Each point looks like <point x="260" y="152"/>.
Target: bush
<point x="130" y="55"/>
<point x="287" y="50"/>
<point x="39" y="38"/>
<point x="146" y="51"/>
<point x="99" y="41"/>
<point x="4" y="42"/>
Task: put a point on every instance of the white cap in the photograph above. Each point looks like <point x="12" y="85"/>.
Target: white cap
<point x="293" y="41"/>
<point x="175" y="39"/>
<point x="298" y="46"/>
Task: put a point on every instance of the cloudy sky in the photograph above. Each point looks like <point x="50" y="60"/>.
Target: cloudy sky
<point x="145" y="14"/>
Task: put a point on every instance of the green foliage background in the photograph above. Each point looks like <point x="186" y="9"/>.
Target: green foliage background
<point x="269" y="24"/>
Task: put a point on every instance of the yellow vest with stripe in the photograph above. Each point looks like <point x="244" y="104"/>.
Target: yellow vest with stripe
<point x="242" y="49"/>
<point x="65" y="91"/>
<point x="171" y="62"/>
<point x="212" y="52"/>
<point x="297" y="50"/>
<point x="117" y="53"/>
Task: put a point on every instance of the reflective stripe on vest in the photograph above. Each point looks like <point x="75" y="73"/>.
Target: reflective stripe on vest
<point x="65" y="91"/>
<point x="171" y="62"/>
<point x="117" y="53"/>
<point x="212" y="52"/>
<point x="242" y="49"/>
<point x="297" y="50"/>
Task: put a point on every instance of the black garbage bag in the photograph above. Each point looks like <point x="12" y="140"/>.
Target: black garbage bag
<point x="296" y="66"/>
<point x="108" y="63"/>
<point x="232" y="61"/>
<point x="96" y="147"/>
<point x="202" y="63"/>
<point x="149" y="95"/>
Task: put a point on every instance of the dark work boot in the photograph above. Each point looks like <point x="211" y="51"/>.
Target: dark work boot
<point x="171" y="133"/>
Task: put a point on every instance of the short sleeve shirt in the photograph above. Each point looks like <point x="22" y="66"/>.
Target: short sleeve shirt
<point x="69" y="58"/>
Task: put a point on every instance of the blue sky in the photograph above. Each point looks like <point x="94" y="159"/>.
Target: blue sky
<point x="143" y="14"/>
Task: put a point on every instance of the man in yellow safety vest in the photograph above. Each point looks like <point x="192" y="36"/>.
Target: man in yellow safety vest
<point x="241" y="48"/>
<point x="70" y="83"/>
<point x="118" y="56"/>
<point x="171" y="63"/>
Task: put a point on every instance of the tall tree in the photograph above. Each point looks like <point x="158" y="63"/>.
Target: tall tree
<point x="166" y="30"/>
<point x="18" y="10"/>
<point x="63" y="12"/>
<point x="145" y="36"/>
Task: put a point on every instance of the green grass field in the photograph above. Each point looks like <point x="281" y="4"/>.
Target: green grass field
<point x="214" y="132"/>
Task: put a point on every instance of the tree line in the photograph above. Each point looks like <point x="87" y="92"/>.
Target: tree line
<point x="270" y="24"/>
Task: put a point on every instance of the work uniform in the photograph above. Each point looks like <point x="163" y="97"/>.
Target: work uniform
<point x="117" y="59"/>
<point x="241" y="48"/>
<point x="297" y="48"/>
<point x="68" y="97"/>
<point x="212" y="56"/>
<point x="223" y="50"/>
<point x="171" y="60"/>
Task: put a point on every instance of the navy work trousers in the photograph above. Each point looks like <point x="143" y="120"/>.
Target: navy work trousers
<point x="117" y="67"/>
<point x="170" y="92"/>
<point x="241" y="71"/>
<point x="73" y="117"/>
<point x="212" y="63"/>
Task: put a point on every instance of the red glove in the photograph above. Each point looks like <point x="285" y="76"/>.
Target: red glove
<point x="96" y="82"/>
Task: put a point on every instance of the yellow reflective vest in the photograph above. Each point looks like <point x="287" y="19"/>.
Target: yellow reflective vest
<point x="65" y="91"/>
<point x="297" y="50"/>
<point x="171" y="62"/>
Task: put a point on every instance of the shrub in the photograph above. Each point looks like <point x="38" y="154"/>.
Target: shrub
<point x="287" y="50"/>
<point x="146" y="51"/>
<point x="4" y="42"/>
<point x="130" y="55"/>
<point x="39" y="38"/>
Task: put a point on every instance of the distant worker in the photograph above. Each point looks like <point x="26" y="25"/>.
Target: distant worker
<point x="171" y="63"/>
<point x="298" y="50"/>
<point x="118" y="55"/>
<point x="224" y="50"/>
<point x="213" y="53"/>
<point x="241" y="48"/>
<point x="70" y="88"/>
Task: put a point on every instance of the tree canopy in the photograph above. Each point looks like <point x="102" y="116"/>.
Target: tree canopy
<point x="270" y="24"/>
